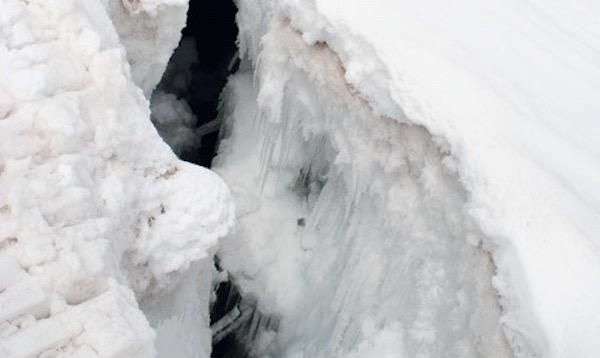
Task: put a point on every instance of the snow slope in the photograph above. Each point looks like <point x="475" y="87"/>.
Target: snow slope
<point x="434" y="149"/>
<point x="96" y="212"/>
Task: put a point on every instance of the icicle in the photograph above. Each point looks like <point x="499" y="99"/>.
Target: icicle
<point x="223" y="327"/>
<point x="268" y="147"/>
<point x="286" y="133"/>
<point x="208" y="128"/>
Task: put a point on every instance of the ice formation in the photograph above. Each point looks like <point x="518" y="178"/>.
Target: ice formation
<point x="369" y="256"/>
<point x="430" y="174"/>
<point x="410" y="179"/>
<point x="96" y="212"/>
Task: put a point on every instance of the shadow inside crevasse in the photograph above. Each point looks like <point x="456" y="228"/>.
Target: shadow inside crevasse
<point x="185" y="103"/>
<point x="184" y="109"/>
<point x="238" y="325"/>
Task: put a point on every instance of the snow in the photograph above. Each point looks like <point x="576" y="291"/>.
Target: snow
<point x="174" y="121"/>
<point x="149" y="30"/>
<point x="345" y="267"/>
<point x="444" y="157"/>
<point x="411" y="179"/>
<point x="102" y="229"/>
<point x="171" y="113"/>
<point x="182" y="315"/>
<point x="519" y="93"/>
<point x="6" y="103"/>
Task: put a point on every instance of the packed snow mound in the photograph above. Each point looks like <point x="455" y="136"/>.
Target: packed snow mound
<point x="96" y="212"/>
<point x="467" y="126"/>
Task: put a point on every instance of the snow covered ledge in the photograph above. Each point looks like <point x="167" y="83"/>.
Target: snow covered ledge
<point x="96" y="212"/>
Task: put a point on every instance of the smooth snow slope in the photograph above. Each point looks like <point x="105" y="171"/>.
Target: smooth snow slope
<point x="96" y="212"/>
<point x="508" y="95"/>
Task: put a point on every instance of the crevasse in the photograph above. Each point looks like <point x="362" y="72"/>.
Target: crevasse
<point x="411" y="179"/>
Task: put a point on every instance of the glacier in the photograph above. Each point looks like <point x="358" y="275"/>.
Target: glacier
<point x="394" y="178"/>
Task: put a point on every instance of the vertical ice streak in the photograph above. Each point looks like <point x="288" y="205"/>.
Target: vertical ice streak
<point x="367" y="251"/>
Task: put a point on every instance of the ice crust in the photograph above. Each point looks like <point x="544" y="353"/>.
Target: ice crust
<point x="96" y="212"/>
<point x="443" y="159"/>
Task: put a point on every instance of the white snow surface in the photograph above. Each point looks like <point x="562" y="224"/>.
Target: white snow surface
<point x="444" y="154"/>
<point x="412" y="179"/>
<point x="150" y="31"/>
<point x="96" y="212"/>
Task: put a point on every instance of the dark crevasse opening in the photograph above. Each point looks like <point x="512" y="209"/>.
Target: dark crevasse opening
<point x="185" y="110"/>
<point x="238" y="327"/>
<point x="185" y="103"/>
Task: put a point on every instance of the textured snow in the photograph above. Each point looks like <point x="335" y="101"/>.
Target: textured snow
<point x="96" y="212"/>
<point x="174" y="121"/>
<point x="369" y="254"/>
<point x="149" y="30"/>
<point x="444" y="158"/>
<point x="412" y="179"/>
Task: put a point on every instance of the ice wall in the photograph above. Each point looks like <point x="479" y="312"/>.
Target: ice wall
<point x="96" y="212"/>
<point x="429" y="171"/>
<point x="352" y="226"/>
